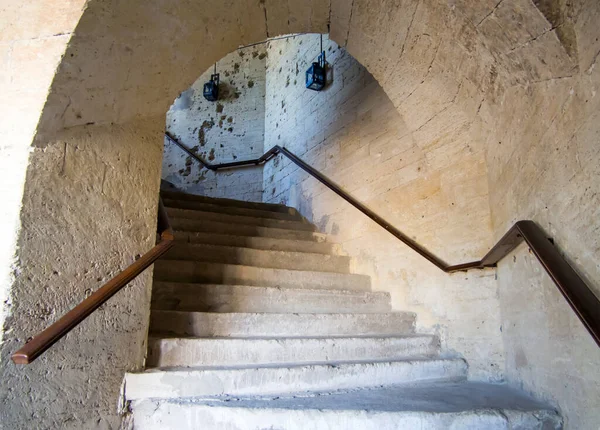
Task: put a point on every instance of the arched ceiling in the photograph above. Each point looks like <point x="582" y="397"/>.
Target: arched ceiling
<point x="130" y="59"/>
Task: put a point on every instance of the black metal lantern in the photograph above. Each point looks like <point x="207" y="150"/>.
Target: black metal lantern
<point x="316" y="77"/>
<point x="211" y="88"/>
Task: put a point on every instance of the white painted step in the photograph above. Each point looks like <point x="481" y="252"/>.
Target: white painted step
<point x="173" y="195"/>
<point x="426" y="406"/>
<point x="200" y="216"/>
<point x="232" y="210"/>
<point x="243" y="298"/>
<point x="197" y="352"/>
<point x="210" y="226"/>
<point x="259" y="258"/>
<point x="265" y="243"/>
<point x="190" y="383"/>
<point x="202" y="324"/>
<point x="231" y="274"/>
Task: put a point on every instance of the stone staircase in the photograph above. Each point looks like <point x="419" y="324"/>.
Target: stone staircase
<point x="257" y="323"/>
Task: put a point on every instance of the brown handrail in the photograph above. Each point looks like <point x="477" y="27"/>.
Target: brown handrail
<point x="40" y="343"/>
<point x="578" y="294"/>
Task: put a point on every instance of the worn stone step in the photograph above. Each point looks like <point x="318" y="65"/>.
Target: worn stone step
<point x="208" y="382"/>
<point x="173" y="195"/>
<point x="217" y="273"/>
<point x="292" y="215"/>
<point x="259" y="258"/>
<point x="256" y="242"/>
<point x="210" y="226"/>
<point x="239" y="220"/>
<point x="203" y="324"/>
<point x="430" y="406"/>
<point x="244" y="298"/>
<point x="197" y="352"/>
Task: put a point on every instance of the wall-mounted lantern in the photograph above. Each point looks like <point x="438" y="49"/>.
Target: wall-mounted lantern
<point x="316" y="76"/>
<point x="211" y="88"/>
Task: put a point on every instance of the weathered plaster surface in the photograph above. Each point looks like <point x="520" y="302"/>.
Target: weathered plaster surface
<point x="33" y="36"/>
<point x="543" y="155"/>
<point x="430" y="183"/>
<point x="89" y="210"/>
<point x="132" y="59"/>
<point x="487" y="64"/>
<point x="227" y="130"/>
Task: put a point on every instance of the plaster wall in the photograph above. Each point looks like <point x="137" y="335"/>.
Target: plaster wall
<point x="442" y="64"/>
<point x="432" y="184"/>
<point x="227" y="130"/>
<point x="89" y="210"/>
<point x="531" y="70"/>
<point x="33" y="37"/>
<point x="543" y="156"/>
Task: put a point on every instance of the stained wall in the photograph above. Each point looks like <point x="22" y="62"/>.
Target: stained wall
<point x="230" y="129"/>
<point x="515" y="70"/>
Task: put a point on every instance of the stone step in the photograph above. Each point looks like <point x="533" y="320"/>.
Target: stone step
<point x="242" y="298"/>
<point x="200" y="216"/>
<point x="292" y="215"/>
<point x="174" y="195"/>
<point x="430" y="406"/>
<point x="210" y="382"/>
<point x="210" y="226"/>
<point x="259" y="258"/>
<point x="230" y="274"/>
<point x="197" y="352"/>
<point x="265" y="243"/>
<point x="202" y="324"/>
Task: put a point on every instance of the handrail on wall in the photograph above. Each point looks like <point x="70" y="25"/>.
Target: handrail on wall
<point x="40" y="343"/>
<point x="580" y="297"/>
<point x="578" y="294"/>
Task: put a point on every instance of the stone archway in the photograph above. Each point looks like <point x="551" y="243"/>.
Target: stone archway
<point x="94" y="172"/>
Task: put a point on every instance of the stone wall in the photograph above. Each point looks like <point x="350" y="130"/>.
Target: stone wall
<point x="461" y="67"/>
<point x="430" y="183"/>
<point x="33" y="38"/>
<point x="543" y="156"/>
<point x="89" y="210"/>
<point x="227" y="130"/>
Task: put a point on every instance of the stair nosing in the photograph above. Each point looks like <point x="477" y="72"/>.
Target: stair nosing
<point x="315" y="234"/>
<point x="280" y="222"/>
<point x="217" y="201"/>
<point x="407" y="313"/>
<point x="262" y="250"/>
<point x="261" y="268"/>
<point x="308" y="241"/>
<point x="335" y="292"/>
<point x="169" y="203"/>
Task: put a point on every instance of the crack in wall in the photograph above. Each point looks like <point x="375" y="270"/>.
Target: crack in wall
<point x="489" y="14"/>
<point x="349" y="24"/>
<point x="402" y="49"/>
<point x="531" y="40"/>
<point x="264" y="8"/>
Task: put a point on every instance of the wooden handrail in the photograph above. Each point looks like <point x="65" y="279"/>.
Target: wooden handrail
<point x="578" y="294"/>
<point x="40" y="343"/>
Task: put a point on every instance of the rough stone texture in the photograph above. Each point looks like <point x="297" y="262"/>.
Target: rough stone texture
<point x="89" y="210"/>
<point x="242" y="298"/>
<point x="465" y="406"/>
<point x="33" y="37"/>
<point x="132" y="59"/>
<point x="441" y="64"/>
<point x="288" y="324"/>
<point x="543" y="155"/>
<point x="429" y="182"/>
<point x="186" y="352"/>
<point x="227" y="130"/>
<point x="259" y="381"/>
